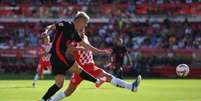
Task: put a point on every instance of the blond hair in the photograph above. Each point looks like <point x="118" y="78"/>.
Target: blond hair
<point x="81" y="14"/>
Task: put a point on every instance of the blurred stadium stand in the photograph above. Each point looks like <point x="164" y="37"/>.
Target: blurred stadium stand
<point x="159" y="34"/>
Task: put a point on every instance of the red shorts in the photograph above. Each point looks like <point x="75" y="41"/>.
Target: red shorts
<point x="91" y="69"/>
<point x="43" y="65"/>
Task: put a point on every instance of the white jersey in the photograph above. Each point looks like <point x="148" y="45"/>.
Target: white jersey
<point x="84" y="57"/>
<point x="44" y="51"/>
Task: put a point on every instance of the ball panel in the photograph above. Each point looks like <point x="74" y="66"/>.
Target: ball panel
<point x="182" y="70"/>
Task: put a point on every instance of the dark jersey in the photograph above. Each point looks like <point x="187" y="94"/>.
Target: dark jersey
<point x="65" y="34"/>
<point x="118" y="53"/>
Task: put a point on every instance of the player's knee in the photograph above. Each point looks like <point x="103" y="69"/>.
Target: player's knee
<point x="59" y="80"/>
<point x="59" y="84"/>
<point x="109" y="78"/>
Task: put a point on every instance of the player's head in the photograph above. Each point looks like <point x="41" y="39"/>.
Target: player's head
<point x="81" y="20"/>
<point x="118" y="41"/>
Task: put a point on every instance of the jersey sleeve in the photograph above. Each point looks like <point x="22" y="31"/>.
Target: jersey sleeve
<point x="60" y="25"/>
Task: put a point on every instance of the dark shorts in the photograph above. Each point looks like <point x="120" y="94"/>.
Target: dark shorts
<point x="58" y="67"/>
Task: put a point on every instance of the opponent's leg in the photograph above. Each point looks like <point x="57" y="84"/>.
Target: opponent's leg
<point x="84" y="75"/>
<point x="36" y="77"/>
<point x="121" y="83"/>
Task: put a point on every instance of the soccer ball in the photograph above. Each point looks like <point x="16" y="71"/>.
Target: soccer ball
<point x="182" y="70"/>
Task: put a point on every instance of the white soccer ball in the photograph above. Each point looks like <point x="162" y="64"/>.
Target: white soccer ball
<point x="182" y="70"/>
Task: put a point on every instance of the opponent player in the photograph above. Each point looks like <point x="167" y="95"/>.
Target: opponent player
<point x="119" y="51"/>
<point x="61" y="58"/>
<point x="44" y="66"/>
<point x="85" y="59"/>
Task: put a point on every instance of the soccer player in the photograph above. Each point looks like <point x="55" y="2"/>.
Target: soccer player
<point x="44" y="66"/>
<point x="119" y="51"/>
<point x="61" y="58"/>
<point x="85" y="59"/>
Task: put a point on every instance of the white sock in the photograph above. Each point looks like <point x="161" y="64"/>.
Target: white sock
<point x="35" y="78"/>
<point x="47" y="72"/>
<point x="58" y="97"/>
<point x="120" y="83"/>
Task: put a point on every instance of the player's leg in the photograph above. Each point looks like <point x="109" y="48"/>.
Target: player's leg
<point x="74" y="82"/>
<point x="48" y="67"/>
<point x="99" y="73"/>
<point x="59" y="80"/>
<point x="58" y="70"/>
<point x="36" y="77"/>
<point x="38" y="74"/>
<point x="84" y="75"/>
<point x="121" y="83"/>
<point x="118" y="71"/>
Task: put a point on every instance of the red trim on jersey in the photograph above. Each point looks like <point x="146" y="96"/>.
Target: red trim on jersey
<point x="60" y="56"/>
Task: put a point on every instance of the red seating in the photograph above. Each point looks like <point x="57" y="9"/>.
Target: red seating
<point x="169" y="71"/>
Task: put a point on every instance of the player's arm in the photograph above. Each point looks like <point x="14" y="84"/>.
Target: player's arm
<point x="50" y="28"/>
<point x="53" y="27"/>
<point x="93" y="49"/>
<point x="73" y="48"/>
<point x="88" y="46"/>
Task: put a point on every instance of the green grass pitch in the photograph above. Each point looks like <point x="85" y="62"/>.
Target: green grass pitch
<point x="150" y="90"/>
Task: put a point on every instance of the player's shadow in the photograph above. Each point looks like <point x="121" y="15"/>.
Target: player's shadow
<point x="16" y="87"/>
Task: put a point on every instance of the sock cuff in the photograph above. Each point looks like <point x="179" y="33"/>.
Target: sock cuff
<point x="63" y="94"/>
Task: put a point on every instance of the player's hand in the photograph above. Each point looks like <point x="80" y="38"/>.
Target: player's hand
<point x="44" y="34"/>
<point x="108" y="52"/>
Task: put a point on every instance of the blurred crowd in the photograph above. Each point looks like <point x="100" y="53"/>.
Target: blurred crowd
<point x="96" y="8"/>
<point x="85" y="2"/>
<point x="170" y="35"/>
<point x="166" y="34"/>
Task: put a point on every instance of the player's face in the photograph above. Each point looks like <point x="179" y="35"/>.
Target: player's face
<point x="80" y="24"/>
<point x="119" y="42"/>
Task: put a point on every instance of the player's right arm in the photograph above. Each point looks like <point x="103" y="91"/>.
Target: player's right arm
<point x="49" y="28"/>
<point x="93" y="49"/>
